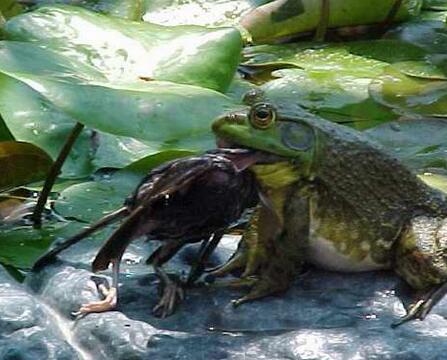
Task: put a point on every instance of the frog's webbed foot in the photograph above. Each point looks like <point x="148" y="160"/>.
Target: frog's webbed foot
<point x="421" y="308"/>
<point x="261" y="288"/>
<point x="172" y="294"/>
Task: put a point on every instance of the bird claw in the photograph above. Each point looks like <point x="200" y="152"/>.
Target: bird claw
<point x="173" y="293"/>
<point x="108" y="303"/>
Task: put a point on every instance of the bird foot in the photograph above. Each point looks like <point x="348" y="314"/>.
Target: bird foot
<point x="108" y="303"/>
<point x="172" y="294"/>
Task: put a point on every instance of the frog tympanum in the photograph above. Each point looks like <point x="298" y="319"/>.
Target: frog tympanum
<point x="332" y="197"/>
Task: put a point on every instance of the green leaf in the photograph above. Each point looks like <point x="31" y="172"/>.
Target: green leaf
<point x="91" y="200"/>
<point x="410" y="96"/>
<point x="308" y="56"/>
<point x="32" y="118"/>
<point x="105" y="82"/>
<point x="420" y="69"/>
<point x="418" y="143"/>
<point x="435" y="5"/>
<point x="203" y="12"/>
<point x="21" y="246"/>
<point x="165" y="114"/>
<point x="428" y="35"/>
<point x="335" y="96"/>
<point x="126" y="51"/>
<point x="387" y="50"/>
<point x="22" y="163"/>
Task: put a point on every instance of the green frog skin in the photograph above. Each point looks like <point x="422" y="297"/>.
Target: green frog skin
<point x="334" y="198"/>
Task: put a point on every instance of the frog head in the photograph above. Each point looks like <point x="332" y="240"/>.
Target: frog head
<point x="282" y="141"/>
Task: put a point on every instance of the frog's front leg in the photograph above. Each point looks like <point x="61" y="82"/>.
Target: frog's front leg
<point x="421" y="259"/>
<point x="252" y="249"/>
<point x="286" y="250"/>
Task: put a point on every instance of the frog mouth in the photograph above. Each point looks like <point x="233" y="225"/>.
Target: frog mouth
<point x="243" y="157"/>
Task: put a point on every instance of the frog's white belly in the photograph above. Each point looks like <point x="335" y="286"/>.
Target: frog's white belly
<point x="322" y="253"/>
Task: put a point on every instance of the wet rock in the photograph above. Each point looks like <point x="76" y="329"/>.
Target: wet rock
<point x="323" y="316"/>
<point x="28" y="328"/>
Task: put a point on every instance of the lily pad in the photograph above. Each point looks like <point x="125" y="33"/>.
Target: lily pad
<point x="387" y="50"/>
<point x="410" y="96"/>
<point x="22" y="163"/>
<point x="428" y="35"/>
<point x="21" y="246"/>
<point x="91" y="200"/>
<point x="64" y="66"/>
<point x="32" y="118"/>
<point x="418" y="143"/>
<point x="341" y="97"/>
<point x="198" y="12"/>
<point x="126" y="51"/>
<point x="435" y="5"/>
<point x="327" y="57"/>
<point x="420" y="69"/>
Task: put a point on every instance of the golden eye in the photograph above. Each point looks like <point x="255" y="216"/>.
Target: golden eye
<point x="262" y="116"/>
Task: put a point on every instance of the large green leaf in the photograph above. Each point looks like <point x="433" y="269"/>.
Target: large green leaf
<point x="198" y="12"/>
<point x="22" y="163"/>
<point x="126" y="51"/>
<point x="31" y="117"/>
<point x="166" y="114"/>
<point x="106" y="82"/>
<point x="91" y="200"/>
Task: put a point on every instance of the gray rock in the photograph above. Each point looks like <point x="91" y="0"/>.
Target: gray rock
<point x="28" y="328"/>
<point x="323" y="316"/>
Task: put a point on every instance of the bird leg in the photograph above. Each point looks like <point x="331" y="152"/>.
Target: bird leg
<point x="110" y="295"/>
<point x="171" y="294"/>
<point x="206" y="250"/>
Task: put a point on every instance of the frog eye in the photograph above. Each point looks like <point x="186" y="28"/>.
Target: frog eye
<point x="262" y="116"/>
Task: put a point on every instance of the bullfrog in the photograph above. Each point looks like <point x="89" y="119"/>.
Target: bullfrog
<point x="334" y="198"/>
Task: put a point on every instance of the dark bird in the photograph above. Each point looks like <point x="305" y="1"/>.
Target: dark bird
<point x="184" y="201"/>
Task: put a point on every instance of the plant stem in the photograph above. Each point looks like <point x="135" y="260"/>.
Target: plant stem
<point x="392" y="13"/>
<point x="52" y="175"/>
<point x="320" y="33"/>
